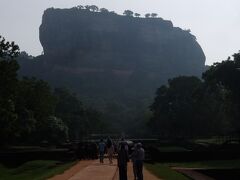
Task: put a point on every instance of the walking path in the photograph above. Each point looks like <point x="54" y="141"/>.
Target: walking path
<point x="93" y="170"/>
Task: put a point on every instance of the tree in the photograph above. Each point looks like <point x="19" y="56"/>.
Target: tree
<point x="154" y="15"/>
<point x="8" y="88"/>
<point x="93" y="8"/>
<point x="137" y="15"/>
<point x="87" y="7"/>
<point x="128" y="13"/>
<point x="35" y="103"/>
<point x="8" y="50"/>
<point x="55" y="130"/>
<point x="147" y="15"/>
<point x="173" y="110"/>
<point x="104" y="10"/>
<point x="71" y="111"/>
<point x="80" y="7"/>
<point x="226" y="76"/>
<point x="79" y="120"/>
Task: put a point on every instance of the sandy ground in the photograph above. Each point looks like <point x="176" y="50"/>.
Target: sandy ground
<point x="93" y="170"/>
<point x="73" y="170"/>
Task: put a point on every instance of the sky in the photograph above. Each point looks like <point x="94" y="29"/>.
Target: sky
<point x="215" y="23"/>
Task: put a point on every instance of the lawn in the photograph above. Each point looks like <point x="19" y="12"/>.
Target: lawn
<point x="164" y="172"/>
<point x="34" y="170"/>
<point x="216" y="164"/>
<point x="172" y="149"/>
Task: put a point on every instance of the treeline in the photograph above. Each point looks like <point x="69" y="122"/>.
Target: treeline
<point x="31" y="112"/>
<point x="129" y="13"/>
<point x="190" y="107"/>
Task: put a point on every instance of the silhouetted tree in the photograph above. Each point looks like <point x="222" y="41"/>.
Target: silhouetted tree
<point x="137" y="15"/>
<point x="147" y="15"/>
<point x="87" y="7"/>
<point x="8" y="50"/>
<point x="80" y="7"/>
<point x="93" y="8"/>
<point x="154" y="15"/>
<point x="104" y="10"/>
<point x="173" y="108"/>
<point x="226" y="76"/>
<point x="8" y="88"/>
<point x="79" y="120"/>
<point x="128" y="13"/>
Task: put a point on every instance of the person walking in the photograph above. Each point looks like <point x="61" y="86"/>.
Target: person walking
<point x="110" y="149"/>
<point x="101" y="149"/>
<point x="122" y="161"/>
<point x="133" y="158"/>
<point x="139" y="158"/>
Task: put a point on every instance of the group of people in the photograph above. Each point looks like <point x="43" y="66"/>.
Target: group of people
<point x="123" y="156"/>
<point x="110" y="149"/>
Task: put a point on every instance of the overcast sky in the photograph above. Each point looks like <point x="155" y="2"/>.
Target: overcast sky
<point x="215" y="23"/>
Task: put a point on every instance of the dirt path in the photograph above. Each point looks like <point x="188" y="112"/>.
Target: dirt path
<point x="93" y="170"/>
<point x="96" y="171"/>
<point x="72" y="171"/>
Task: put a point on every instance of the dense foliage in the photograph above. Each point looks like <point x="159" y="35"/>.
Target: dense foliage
<point x="189" y="107"/>
<point x="31" y="112"/>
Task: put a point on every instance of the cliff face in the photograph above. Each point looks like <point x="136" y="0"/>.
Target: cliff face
<point x="107" y="58"/>
<point x="85" y="39"/>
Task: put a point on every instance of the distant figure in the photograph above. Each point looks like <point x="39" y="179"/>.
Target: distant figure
<point x="110" y="149"/>
<point x="101" y="149"/>
<point x="139" y="157"/>
<point x="133" y="158"/>
<point x="122" y="160"/>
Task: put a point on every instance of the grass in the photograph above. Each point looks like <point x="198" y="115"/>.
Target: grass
<point x="216" y="140"/>
<point x="164" y="172"/>
<point x="172" y="149"/>
<point x="218" y="164"/>
<point x="34" y="170"/>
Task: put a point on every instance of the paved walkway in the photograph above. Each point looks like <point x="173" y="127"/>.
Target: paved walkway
<point x="93" y="170"/>
<point x="96" y="171"/>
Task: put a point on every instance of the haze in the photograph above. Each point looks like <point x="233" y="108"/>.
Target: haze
<point x="215" y="23"/>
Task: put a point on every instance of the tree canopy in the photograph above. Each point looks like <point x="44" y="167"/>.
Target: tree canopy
<point x="188" y="107"/>
<point x="128" y="13"/>
<point x="30" y="112"/>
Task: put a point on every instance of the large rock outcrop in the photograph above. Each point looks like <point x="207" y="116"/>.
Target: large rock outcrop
<point x="106" y="57"/>
<point x="85" y="39"/>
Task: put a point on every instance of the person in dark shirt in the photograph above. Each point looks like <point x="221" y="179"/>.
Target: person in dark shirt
<point x="122" y="160"/>
<point x="110" y="150"/>
<point x="139" y="158"/>
<point x="133" y="158"/>
<point x="101" y="148"/>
